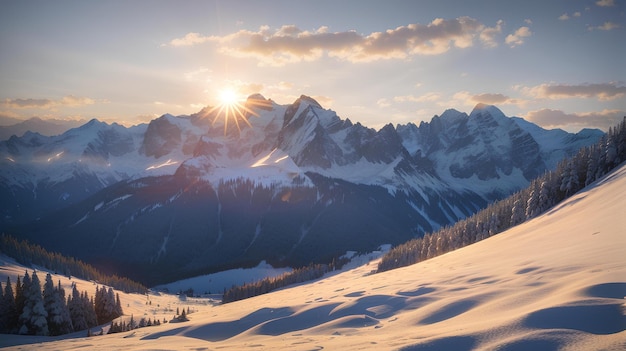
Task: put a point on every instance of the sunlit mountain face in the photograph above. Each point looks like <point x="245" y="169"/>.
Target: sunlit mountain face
<point x="248" y="181"/>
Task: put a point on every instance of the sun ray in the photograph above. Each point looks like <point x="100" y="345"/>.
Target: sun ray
<point x="230" y="108"/>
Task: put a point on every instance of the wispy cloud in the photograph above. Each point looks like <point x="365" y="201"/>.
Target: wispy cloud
<point x="518" y="37"/>
<point x="489" y="98"/>
<point x="605" y="26"/>
<point x="291" y="44"/>
<point x="600" y="91"/>
<point x="44" y="104"/>
<point x="549" y="118"/>
<point x="565" y="16"/>
<point x="468" y="99"/>
<point x="189" y="39"/>
<point x="428" y="97"/>
<point x="605" y="3"/>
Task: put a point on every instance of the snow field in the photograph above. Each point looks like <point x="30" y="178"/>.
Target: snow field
<point x="555" y="282"/>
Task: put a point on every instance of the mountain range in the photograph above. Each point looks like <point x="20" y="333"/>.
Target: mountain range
<point x="289" y="184"/>
<point x="11" y="126"/>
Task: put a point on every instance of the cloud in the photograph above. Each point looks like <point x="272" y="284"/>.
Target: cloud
<point x="488" y="35"/>
<point x="549" y="118"/>
<point x="517" y="38"/>
<point x="289" y="43"/>
<point x="44" y="104"/>
<point x="428" y="97"/>
<point x="468" y="99"/>
<point x="491" y="99"/>
<point x="383" y="102"/>
<point x="189" y="39"/>
<point x="600" y="91"/>
<point x="605" y="3"/>
<point x="565" y="16"/>
<point x="605" y="26"/>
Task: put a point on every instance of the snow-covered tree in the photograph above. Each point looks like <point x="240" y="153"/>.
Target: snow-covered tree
<point x="90" y="312"/>
<point x="21" y="293"/>
<point x="34" y="316"/>
<point x="533" y="200"/>
<point x="59" y="321"/>
<point x="77" y="313"/>
<point x="118" y="306"/>
<point x="19" y="296"/>
<point x="8" y="312"/>
<point x="570" y="181"/>
<point x="545" y="200"/>
<point x="105" y="305"/>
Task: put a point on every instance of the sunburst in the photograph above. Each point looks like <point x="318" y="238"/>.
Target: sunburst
<point x="232" y="108"/>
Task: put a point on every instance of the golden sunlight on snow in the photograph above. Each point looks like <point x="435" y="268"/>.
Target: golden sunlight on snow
<point x="555" y="282"/>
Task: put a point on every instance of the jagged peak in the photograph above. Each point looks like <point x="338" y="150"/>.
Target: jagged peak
<point x="387" y="128"/>
<point x="256" y="96"/>
<point x="307" y="100"/>
<point x="93" y="123"/>
<point x="491" y="109"/>
<point x="259" y="101"/>
<point x="451" y="116"/>
<point x="166" y="116"/>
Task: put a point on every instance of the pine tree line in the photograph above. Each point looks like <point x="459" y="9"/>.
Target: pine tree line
<point x="31" y="254"/>
<point x="264" y="286"/>
<point x="122" y="326"/>
<point x="33" y="311"/>
<point x="570" y="176"/>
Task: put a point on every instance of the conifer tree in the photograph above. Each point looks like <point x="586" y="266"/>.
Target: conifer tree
<point x="3" y="321"/>
<point x="77" y="312"/>
<point x="9" y="310"/>
<point x="66" y="324"/>
<point x="54" y="304"/>
<point x="19" y="296"/>
<point x="90" y="312"/>
<point x="34" y="316"/>
<point x="118" y="306"/>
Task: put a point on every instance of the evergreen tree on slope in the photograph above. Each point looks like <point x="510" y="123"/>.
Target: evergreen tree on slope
<point x="58" y="316"/>
<point x="34" y="315"/>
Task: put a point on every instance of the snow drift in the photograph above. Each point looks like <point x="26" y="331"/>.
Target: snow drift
<point x="555" y="282"/>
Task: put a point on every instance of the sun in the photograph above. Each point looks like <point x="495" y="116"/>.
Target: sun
<point x="228" y="97"/>
<point x="231" y="109"/>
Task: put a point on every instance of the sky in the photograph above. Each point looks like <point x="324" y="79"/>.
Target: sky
<point x="559" y="63"/>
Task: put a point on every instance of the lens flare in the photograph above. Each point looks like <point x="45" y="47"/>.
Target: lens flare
<point x="232" y="110"/>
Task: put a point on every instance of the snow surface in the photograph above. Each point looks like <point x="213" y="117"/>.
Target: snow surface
<point x="555" y="282"/>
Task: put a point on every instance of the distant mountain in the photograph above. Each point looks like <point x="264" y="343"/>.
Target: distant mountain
<point x="37" y="125"/>
<point x="289" y="184"/>
<point x="9" y="121"/>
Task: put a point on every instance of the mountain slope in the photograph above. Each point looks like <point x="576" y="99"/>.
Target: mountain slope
<point x="290" y="184"/>
<point x="555" y="282"/>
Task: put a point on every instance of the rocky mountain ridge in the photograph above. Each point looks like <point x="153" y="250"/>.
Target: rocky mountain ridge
<point x="290" y="184"/>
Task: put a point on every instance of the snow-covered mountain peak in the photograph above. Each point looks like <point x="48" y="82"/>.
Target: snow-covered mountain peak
<point x="304" y="99"/>
<point x="486" y="154"/>
<point x="483" y="109"/>
<point x="258" y="101"/>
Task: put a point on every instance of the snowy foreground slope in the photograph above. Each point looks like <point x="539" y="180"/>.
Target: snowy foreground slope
<point x="556" y="282"/>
